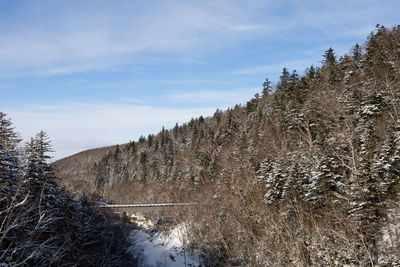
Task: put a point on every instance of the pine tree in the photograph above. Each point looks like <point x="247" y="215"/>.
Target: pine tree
<point x="311" y="73"/>
<point x="37" y="171"/>
<point x="9" y="165"/>
<point x="274" y="176"/>
<point x="329" y="57"/>
<point x="326" y="180"/>
<point x="299" y="175"/>
<point x="386" y="166"/>
<point x="284" y="79"/>
<point x="9" y="176"/>
<point x="8" y="137"/>
<point x="357" y="53"/>
<point x="331" y="65"/>
<point x="267" y="87"/>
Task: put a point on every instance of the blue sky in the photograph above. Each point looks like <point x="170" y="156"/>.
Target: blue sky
<point x="95" y="73"/>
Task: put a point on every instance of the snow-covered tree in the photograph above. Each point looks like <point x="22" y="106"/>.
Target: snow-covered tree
<point x="386" y="166"/>
<point x="37" y="171"/>
<point x="326" y="180"/>
<point x="8" y="156"/>
<point x="8" y="137"/>
<point x="274" y="177"/>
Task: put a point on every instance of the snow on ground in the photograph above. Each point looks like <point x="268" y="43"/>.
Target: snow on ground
<point x="157" y="249"/>
<point x="141" y="221"/>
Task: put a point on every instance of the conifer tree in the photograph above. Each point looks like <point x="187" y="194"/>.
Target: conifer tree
<point x="284" y="79"/>
<point x="329" y="57"/>
<point x="326" y="181"/>
<point x="267" y="87"/>
<point x="331" y="64"/>
<point x="299" y="175"/>
<point x="38" y="171"/>
<point x="9" y="165"/>
<point x="357" y="53"/>
<point x="311" y="72"/>
<point x="386" y="166"/>
<point x="8" y="137"/>
<point x="274" y="176"/>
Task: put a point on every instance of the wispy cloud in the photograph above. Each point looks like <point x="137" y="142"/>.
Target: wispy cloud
<point x="78" y="126"/>
<point x="133" y="100"/>
<point x="148" y="39"/>
<point x="61" y="37"/>
<point x="230" y="97"/>
<point x="57" y="37"/>
<point x="248" y="27"/>
<point x="194" y="81"/>
<point x="298" y="65"/>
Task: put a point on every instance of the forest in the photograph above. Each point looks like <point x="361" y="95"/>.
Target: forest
<point x="42" y="223"/>
<point x="306" y="173"/>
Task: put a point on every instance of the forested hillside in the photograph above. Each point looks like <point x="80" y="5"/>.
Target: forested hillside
<point x="306" y="173"/>
<point x="42" y="224"/>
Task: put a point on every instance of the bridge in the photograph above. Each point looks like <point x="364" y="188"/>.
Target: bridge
<point x="125" y="210"/>
<point x="148" y="208"/>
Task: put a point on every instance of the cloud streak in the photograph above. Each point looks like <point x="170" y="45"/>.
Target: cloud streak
<point x="77" y="126"/>
<point x="229" y="97"/>
<point x="298" y="65"/>
<point x="62" y="37"/>
<point x="57" y="37"/>
<point x="133" y="52"/>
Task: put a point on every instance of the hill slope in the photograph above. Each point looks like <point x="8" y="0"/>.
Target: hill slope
<point x="305" y="174"/>
<point x="42" y="224"/>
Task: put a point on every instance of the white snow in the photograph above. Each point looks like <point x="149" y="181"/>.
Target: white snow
<point x="157" y="249"/>
<point x="141" y="221"/>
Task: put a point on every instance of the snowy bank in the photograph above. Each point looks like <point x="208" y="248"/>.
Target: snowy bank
<point x="161" y="249"/>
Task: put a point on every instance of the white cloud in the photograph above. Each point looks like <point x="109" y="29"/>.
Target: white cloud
<point x="62" y="37"/>
<point x="48" y="37"/>
<point x="74" y="127"/>
<point x="194" y="81"/>
<point x="247" y="27"/>
<point x="230" y="97"/>
<point x="298" y="65"/>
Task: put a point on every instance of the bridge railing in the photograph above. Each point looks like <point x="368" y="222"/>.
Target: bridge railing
<point x="122" y="209"/>
<point x="147" y="205"/>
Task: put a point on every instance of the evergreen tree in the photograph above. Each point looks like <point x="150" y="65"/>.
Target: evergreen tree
<point x="267" y="87"/>
<point x="331" y="65"/>
<point x="9" y="165"/>
<point x="284" y="79"/>
<point x="329" y="57"/>
<point x="41" y="224"/>
<point x="357" y="53"/>
<point x="274" y="176"/>
<point x="299" y="175"/>
<point x="176" y="131"/>
<point x="311" y="73"/>
<point x="38" y="171"/>
<point x="386" y="166"/>
<point x="8" y="137"/>
<point x="326" y="180"/>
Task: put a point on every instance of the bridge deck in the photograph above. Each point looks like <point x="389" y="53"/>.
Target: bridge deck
<point x="148" y="207"/>
<point x="145" y="205"/>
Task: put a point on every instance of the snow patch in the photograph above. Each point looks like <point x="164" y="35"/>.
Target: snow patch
<point x="158" y="249"/>
<point x="141" y="221"/>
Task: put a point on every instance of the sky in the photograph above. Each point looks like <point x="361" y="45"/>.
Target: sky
<point x="98" y="73"/>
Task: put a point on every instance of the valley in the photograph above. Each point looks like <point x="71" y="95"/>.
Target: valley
<point x="302" y="174"/>
<point x="213" y="133"/>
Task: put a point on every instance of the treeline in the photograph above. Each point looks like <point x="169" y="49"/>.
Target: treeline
<point x="42" y="224"/>
<point x="306" y="173"/>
